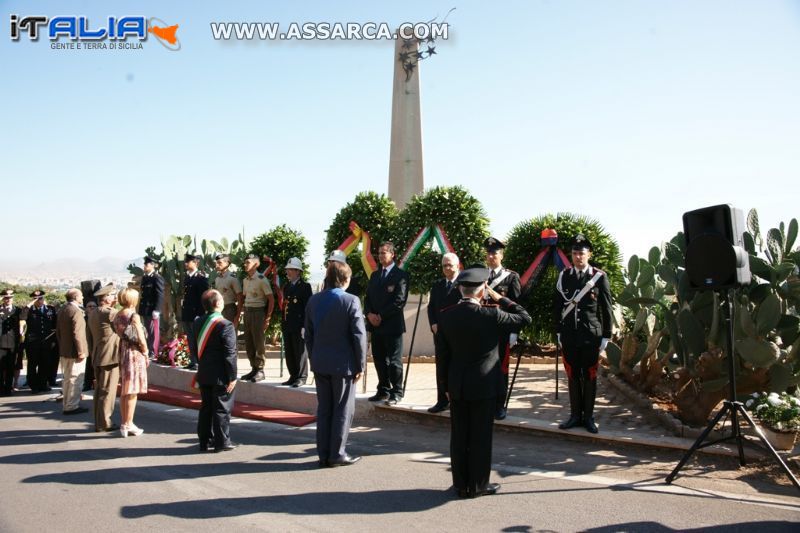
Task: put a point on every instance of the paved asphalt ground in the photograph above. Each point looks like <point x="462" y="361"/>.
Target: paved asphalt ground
<point x="59" y="475"/>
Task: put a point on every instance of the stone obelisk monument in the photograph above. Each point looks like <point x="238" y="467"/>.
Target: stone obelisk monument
<point x="405" y="156"/>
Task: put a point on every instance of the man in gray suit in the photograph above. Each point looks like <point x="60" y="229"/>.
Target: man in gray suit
<point x="337" y="348"/>
<point x="104" y="346"/>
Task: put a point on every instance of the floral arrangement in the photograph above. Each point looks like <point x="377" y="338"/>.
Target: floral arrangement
<point x="779" y="412"/>
<point x="175" y="352"/>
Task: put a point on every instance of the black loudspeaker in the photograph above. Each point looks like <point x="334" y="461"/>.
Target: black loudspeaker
<point x="88" y="289"/>
<point x="715" y="254"/>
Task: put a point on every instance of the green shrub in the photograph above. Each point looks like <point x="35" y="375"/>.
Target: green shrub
<point x="462" y="218"/>
<point x="374" y="213"/>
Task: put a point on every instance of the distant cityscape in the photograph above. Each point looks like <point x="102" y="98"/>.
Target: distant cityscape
<point x="62" y="274"/>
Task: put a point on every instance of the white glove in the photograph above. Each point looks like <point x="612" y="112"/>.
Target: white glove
<point x="512" y="339"/>
<point x="603" y="344"/>
<point x="155" y="315"/>
<point x="558" y="339"/>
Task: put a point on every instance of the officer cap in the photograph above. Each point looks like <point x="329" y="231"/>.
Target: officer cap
<point x="294" y="263"/>
<point x="473" y="276"/>
<point x="150" y="260"/>
<point x="580" y="242"/>
<point x="222" y="256"/>
<point x="492" y="244"/>
<point x="190" y="257"/>
<point x="252" y="256"/>
<point x="38" y="293"/>
<point x="106" y="290"/>
<point x="338" y="255"/>
<point x="7" y="293"/>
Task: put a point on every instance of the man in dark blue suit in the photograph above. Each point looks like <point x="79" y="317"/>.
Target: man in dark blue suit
<point x="444" y="293"/>
<point x="387" y="292"/>
<point x="337" y="348"/>
<point x="213" y="345"/>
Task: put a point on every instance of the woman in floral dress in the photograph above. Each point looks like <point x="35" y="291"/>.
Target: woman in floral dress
<point x="132" y="359"/>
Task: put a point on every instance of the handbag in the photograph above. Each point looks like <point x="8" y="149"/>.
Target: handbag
<point x="130" y="333"/>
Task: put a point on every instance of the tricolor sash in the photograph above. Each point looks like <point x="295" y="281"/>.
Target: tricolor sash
<point x="205" y="332"/>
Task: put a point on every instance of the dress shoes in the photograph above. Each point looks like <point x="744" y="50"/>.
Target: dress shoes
<point x="571" y="422"/>
<point x="439" y="407"/>
<point x="500" y="413"/>
<point x="76" y="411"/>
<point x="248" y="376"/>
<point x="258" y="376"/>
<point x="462" y="493"/>
<point x="590" y="426"/>
<point x="490" y="489"/>
<point x="287" y="383"/>
<point x="323" y="463"/>
<point x="379" y="397"/>
<point x="225" y="447"/>
<point x="393" y="400"/>
<point x="112" y="427"/>
<point x="296" y="383"/>
<point x="347" y="460"/>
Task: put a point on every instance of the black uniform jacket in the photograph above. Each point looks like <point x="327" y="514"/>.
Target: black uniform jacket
<point x="387" y="298"/>
<point x="193" y="289"/>
<point x="469" y="350"/>
<point x="152" y="294"/>
<point x="509" y="286"/>
<point x="441" y="298"/>
<point x="593" y="316"/>
<point x="217" y="366"/>
<point x="295" y="298"/>
<point x="41" y="324"/>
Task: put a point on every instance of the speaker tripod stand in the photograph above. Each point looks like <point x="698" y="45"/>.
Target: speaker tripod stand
<point x="733" y="409"/>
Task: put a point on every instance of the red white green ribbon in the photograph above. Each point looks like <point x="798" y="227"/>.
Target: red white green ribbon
<point x="359" y="235"/>
<point x="271" y="273"/>
<point x="426" y="234"/>
<point x="205" y="332"/>
<point x="202" y="339"/>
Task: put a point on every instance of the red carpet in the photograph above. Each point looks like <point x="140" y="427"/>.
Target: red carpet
<point x="240" y="409"/>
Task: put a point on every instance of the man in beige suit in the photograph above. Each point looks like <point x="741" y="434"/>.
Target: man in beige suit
<point x="73" y="349"/>
<point x="104" y="345"/>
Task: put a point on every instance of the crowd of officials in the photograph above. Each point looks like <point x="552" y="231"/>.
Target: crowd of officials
<point x="474" y="315"/>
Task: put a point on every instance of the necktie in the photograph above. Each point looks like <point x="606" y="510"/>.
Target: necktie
<point x="449" y="285"/>
<point x="383" y="276"/>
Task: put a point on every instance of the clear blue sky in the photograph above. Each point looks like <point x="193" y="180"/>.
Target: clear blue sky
<point x="631" y="112"/>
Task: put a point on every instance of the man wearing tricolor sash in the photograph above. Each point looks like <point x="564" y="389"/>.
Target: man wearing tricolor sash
<point x="506" y="283"/>
<point x="213" y="344"/>
<point x="582" y="312"/>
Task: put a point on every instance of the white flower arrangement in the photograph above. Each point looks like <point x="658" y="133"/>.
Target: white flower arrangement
<point x="780" y="412"/>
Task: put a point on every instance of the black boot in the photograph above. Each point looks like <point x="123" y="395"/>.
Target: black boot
<point x="575" y="405"/>
<point x="589" y="393"/>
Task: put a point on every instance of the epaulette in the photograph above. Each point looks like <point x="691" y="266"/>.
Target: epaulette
<point x="487" y="304"/>
<point x="203" y="274"/>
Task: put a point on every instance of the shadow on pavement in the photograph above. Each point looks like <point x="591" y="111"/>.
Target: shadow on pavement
<point x="655" y="527"/>
<point x="307" y="503"/>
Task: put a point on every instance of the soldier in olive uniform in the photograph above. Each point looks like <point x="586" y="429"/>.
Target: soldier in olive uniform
<point x="151" y="304"/>
<point x="9" y="340"/>
<point x="258" y="306"/>
<point x="506" y="283"/>
<point x="40" y="341"/>
<point x="296" y="294"/>
<point x="231" y="289"/>
<point x="195" y="283"/>
<point x="582" y="316"/>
